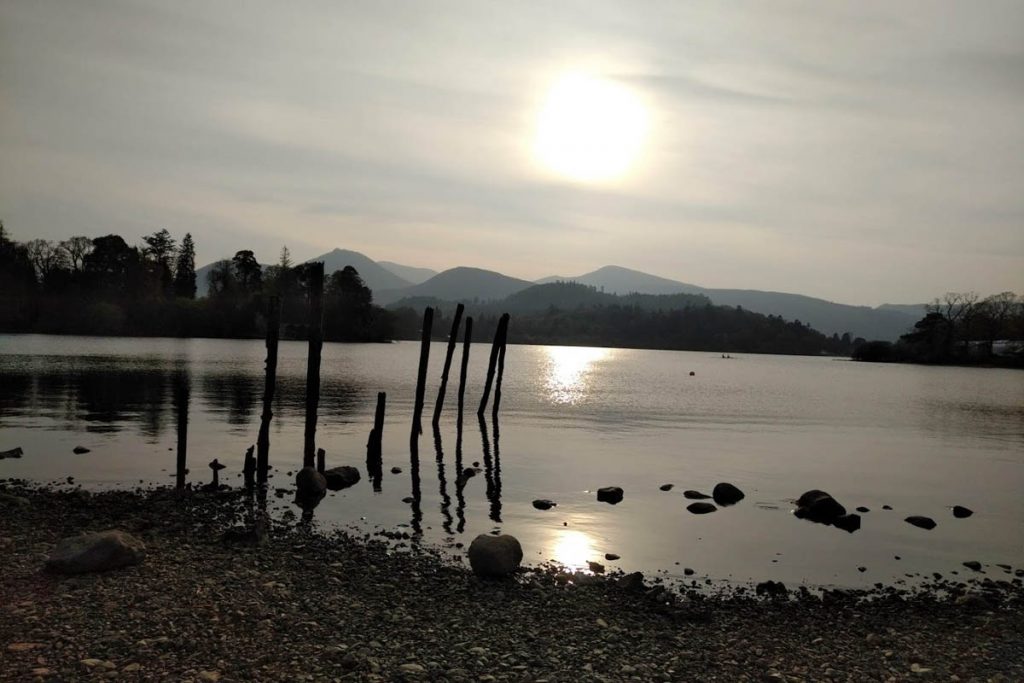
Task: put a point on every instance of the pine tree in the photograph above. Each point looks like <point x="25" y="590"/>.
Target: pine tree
<point x="185" y="269"/>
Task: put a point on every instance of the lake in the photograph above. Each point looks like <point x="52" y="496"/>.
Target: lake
<point x="919" y="439"/>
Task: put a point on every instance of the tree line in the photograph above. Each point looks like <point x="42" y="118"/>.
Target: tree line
<point x="105" y="286"/>
<point x="959" y="328"/>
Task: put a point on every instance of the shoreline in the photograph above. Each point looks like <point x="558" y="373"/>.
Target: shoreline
<point x="333" y="606"/>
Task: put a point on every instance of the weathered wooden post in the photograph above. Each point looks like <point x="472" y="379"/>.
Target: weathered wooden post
<point x="374" y="450"/>
<point x="467" y="339"/>
<point x="421" y="375"/>
<point x="181" y="401"/>
<point x="315" y="282"/>
<point x="452" y="339"/>
<point x="499" y="333"/>
<point x="321" y="460"/>
<point x="269" y="384"/>
<point x="501" y="373"/>
<point x="249" y="469"/>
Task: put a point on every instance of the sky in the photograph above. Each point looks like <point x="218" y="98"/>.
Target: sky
<point x="862" y="152"/>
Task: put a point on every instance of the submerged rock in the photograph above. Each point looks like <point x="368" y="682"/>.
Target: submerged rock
<point x="611" y="557"/>
<point x="610" y="494"/>
<point x="701" y="508"/>
<point x="973" y="564"/>
<point x="773" y="589"/>
<point x="960" y="512"/>
<point x="396" y="470"/>
<point x="850" y="522"/>
<point x="495" y="556"/>
<point x="726" y="494"/>
<point x="96" y="552"/>
<point x="13" y="453"/>
<point x="544" y="504"/>
<point x="666" y="487"/>
<point x="861" y="508"/>
<point x="79" y="450"/>
<point x="819" y="506"/>
<point x="339" y="478"/>
<point x="921" y="522"/>
<point x="695" y="495"/>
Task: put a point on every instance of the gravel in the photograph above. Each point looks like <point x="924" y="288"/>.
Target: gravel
<point x="312" y="605"/>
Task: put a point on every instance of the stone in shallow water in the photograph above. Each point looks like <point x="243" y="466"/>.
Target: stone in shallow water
<point x="79" y="450"/>
<point x="544" y="504"/>
<point x="695" y="495"/>
<point x="960" y="512"/>
<point x="819" y="506"/>
<point x="701" y="508"/>
<point x="666" y="487"/>
<point x="610" y="494"/>
<point x="339" y="478"/>
<point x="850" y="522"/>
<point x="495" y="556"/>
<point x="726" y="494"/>
<point x="921" y="522"/>
<point x="96" y="552"/>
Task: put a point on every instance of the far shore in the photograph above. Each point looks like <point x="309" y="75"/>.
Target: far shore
<point x="206" y="605"/>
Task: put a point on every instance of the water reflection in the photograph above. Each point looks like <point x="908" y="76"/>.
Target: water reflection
<point x="492" y="469"/>
<point x="572" y="549"/>
<point x="566" y="374"/>
<point x="442" y="481"/>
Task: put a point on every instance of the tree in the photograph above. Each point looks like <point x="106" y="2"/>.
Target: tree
<point x="76" y="248"/>
<point x="185" y="269"/>
<point x="45" y="256"/>
<point x="160" y="250"/>
<point x="248" y="271"/>
<point x="222" y="279"/>
<point x="114" y="266"/>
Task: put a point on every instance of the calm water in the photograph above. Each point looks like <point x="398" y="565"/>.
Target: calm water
<point x="573" y="419"/>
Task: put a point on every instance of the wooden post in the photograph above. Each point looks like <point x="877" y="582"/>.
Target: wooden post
<point x="269" y="384"/>
<point x="181" y="391"/>
<point x="321" y="460"/>
<point x="452" y="339"/>
<point x="249" y="469"/>
<point x="467" y="339"/>
<point x="501" y="373"/>
<point x="421" y="375"/>
<point x="316" y="341"/>
<point x="374" y="452"/>
<point x="495" y="348"/>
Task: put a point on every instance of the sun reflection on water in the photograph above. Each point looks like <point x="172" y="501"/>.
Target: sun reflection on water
<point x="567" y="372"/>
<point x="573" y="549"/>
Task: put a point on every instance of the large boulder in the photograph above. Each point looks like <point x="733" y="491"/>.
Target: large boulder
<point x="495" y="557"/>
<point x="610" y="494"/>
<point x="726" y="494"/>
<point x="310" y="488"/>
<point x="96" y="552"/>
<point x="819" y="506"/>
<point x="343" y="477"/>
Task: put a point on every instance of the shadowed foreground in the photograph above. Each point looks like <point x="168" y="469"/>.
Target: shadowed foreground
<point x="307" y="606"/>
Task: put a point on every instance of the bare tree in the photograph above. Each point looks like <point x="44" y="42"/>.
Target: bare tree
<point x="76" y="249"/>
<point x="45" y="256"/>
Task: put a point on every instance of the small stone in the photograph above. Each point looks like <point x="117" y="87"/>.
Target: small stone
<point x="544" y="504"/>
<point x="396" y="470"/>
<point x="921" y="522"/>
<point x="701" y="508"/>
<point x="596" y="567"/>
<point x="688" y="571"/>
<point x="602" y="623"/>
<point x="862" y="509"/>
<point x="96" y="552"/>
<point x="610" y="494"/>
<point x="960" y="512"/>
<point x="973" y="564"/>
<point x="726" y="494"/>
<point x="134" y="666"/>
<point x="79" y="450"/>
<point x="611" y="557"/>
<point x="340" y="478"/>
<point x="666" y="487"/>
<point x="695" y="495"/>
<point x="412" y="668"/>
<point x="209" y="676"/>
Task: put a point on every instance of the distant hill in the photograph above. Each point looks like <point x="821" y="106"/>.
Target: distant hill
<point x="377" y="277"/>
<point x="885" y="322"/>
<point x="458" y="284"/>
<point x="619" y="280"/>
<point x="918" y="311"/>
<point x="411" y="273"/>
<point x="568" y="296"/>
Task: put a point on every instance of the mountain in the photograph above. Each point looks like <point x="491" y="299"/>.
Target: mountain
<point x="885" y="322"/>
<point x="377" y="277"/>
<point x="619" y="280"/>
<point x="918" y="311"/>
<point x="411" y="273"/>
<point x="458" y="284"/>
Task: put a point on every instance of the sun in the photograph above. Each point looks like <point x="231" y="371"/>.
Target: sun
<point x="590" y="129"/>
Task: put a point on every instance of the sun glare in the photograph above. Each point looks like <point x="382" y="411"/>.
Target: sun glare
<point x="590" y="129"/>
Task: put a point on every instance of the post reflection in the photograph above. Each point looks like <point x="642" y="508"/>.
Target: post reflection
<point x="442" y="480"/>
<point x="492" y="470"/>
<point x="567" y="371"/>
<point x="416" y="522"/>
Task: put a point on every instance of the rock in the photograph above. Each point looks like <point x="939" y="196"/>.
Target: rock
<point x="887" y="507"/>
<point x="632" y="582"/>
<point x="666" y="487"/>
<point x="396" y="470"/>
<point x="850" y="522"/>
<point x="96" y="552"/>
<point x="701" y="508"/>
<point x="343" y="477"/>
<point x="960" y="512"/>
<point x="819" y="506"/>
<point x="921" y="522"/>
<point x="695" y="495"/>
<point x="773" y="589"/>
<point x="310" y="488"/>
<point x="544" y="504"/>
<point x="973" y="564"/>
<point x="412" y="668"/>
<point x="596" y="567"/>
<point x="209" y="676"/>
<point x="611" y="557"/>
<point x="495" y="556"/>
<point x="79" y="450"/>
<point x="610" y="494"/>
<point x="726" y="494"/>
<point x="974" y="602"/>
<point x="13" y="453"/>
<point x="862" y="509"/>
